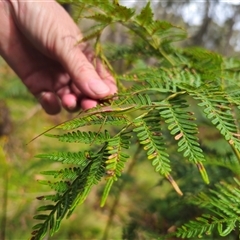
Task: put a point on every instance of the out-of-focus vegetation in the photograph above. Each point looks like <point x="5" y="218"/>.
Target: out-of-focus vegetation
<point x="144" y="209"/>
<point x="213" y="24"/>
<point x="21" y="119"/>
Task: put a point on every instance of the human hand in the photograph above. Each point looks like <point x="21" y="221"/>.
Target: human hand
<point x="38" y="40"/>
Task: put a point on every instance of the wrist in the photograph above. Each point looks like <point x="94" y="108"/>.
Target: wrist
<point x="9" y="35"/>
<point x="5" y="26"/>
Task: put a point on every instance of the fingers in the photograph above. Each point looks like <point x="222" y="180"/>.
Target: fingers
<point x="60" y="44"/>
<point x="84" y="75"/>
<point x="90" y="84"/>
<point x="87" y="103"/>
<point x="37" y="67"/>
<point x="70" y="102"/>
<point x="93" y="81"/>
<point x="50" y="102"/>
<point x="78" y="62"/>
<point x="106" y="76"/>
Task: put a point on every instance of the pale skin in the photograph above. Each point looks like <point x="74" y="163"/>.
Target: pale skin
<point x="38" y="41"/>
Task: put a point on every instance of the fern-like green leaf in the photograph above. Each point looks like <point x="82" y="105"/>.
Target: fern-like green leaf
<point x="70" y="194"/>
<point x="224" y="204"/>
<point x="158" y="100"/>
<point x="155" y="32"/>
<point x="77" y="158"/>
<point x="83" y="137"/>
<point x="148" y="131"/>
<point x="206" y="62"/>
<point x="67" y="173"/>
<point x="181" y="125"/>
<point x="115" y="161"/>
<point x="218" y="110"/>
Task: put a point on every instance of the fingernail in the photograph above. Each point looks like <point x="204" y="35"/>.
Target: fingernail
<point x="98" y="87"/>
<point x="71" y="105"/>
<point x="69" y="101"/>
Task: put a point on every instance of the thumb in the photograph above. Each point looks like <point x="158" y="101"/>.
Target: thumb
<point x="72" y="57"/>
<point x="83" y="74"/>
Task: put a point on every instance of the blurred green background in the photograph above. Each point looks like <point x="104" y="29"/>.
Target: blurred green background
<point x="147" y="204"/>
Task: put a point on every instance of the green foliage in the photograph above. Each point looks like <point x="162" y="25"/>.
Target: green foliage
<point x="69" y="193"/>
<point x="224" y="206"/>
<point x="158" y="106"/>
